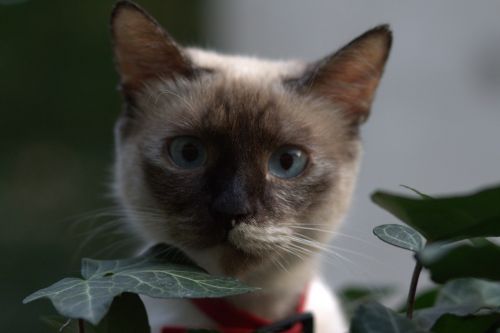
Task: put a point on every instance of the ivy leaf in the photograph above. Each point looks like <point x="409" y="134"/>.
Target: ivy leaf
<point x="447" y="262"/>
<point x="400" y="236"/>
<point x="353" y="296"/>
<point x="424" y="299"/>
<point x="447" y="218"/>
<point x="462" y="297"/>
<point x="159" y="273"/>
<point x="375" y="318"/>
<point x="470" y="324"/>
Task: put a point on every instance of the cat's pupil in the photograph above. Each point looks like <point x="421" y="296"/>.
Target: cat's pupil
<point x="190" y="152"/>
<point x="286" y="161"/>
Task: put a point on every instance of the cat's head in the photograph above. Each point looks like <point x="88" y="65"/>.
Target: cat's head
<point x="240" y="162"/>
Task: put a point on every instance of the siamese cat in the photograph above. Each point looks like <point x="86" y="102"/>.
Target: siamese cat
<point x="244" y="164"/>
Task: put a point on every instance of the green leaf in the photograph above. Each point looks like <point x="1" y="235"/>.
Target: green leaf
<point x="447" y="262"/>
<point x="447" y="218"/>
<point x="157" y="273"/>
<point x="479" y="241"/>
<point x="469" y="324"/>
<point x="352" y="297"/>
<point x="462" y="297"/>
<point x="375" y="318"/>
<point x="400" y="236"/>
<point x="424" y="299"/>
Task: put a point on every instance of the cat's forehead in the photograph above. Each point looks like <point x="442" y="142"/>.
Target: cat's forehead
<point x="241" y="100"/>
<point x="244" y="66"/>
<point x="227" y="109"/>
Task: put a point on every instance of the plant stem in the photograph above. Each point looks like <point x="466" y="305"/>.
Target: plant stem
<point x="81" y="326"/>
<point x="413" y="289"/>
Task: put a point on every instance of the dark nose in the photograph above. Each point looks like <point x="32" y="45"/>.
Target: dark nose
<point x="231" y="204"/>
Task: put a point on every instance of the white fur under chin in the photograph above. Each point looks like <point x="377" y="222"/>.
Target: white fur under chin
<point x="328" y="317"/>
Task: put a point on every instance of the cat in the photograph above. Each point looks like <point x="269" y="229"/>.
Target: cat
<point x="245" y="164"/>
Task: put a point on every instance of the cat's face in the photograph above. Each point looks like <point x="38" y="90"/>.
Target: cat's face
<point x="239" y="162"/>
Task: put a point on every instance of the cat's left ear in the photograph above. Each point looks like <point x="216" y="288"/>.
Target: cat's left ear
<point x="350" y="76"/>
<point x="143" y="49"/>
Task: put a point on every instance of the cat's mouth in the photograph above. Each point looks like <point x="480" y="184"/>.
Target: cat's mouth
<point x="258" y="240"/>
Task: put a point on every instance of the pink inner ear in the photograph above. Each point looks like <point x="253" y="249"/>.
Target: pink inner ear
<point x="143" y="49"/>
<point x="350" y="77"/>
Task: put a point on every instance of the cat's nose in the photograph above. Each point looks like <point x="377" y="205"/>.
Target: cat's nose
<point x="231" y="210"/>
<point x="232" y="205"/>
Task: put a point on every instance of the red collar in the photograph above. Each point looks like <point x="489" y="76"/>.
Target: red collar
<point x="230" y="319"/>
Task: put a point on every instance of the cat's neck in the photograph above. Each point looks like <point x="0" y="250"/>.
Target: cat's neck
<point x="280" y="287"/>
<point x="280" y="291"/>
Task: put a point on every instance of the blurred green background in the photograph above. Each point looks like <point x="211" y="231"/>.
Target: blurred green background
<point x="58" y="103"/>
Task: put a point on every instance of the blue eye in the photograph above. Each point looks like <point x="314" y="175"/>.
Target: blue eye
<point x="287" y="162"/>
<point x="187" y="152"/>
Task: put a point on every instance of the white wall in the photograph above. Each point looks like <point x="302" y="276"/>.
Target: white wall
<point x="436" y="120"/>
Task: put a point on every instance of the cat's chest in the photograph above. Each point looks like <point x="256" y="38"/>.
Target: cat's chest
<point x="328" y="317"/>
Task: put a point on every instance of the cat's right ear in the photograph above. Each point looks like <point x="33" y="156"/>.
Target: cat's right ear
<point x="350" y="76"/>
<point x="143" y="49"/>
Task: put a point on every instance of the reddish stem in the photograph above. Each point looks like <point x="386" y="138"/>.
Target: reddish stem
<point x="413" y="290"/>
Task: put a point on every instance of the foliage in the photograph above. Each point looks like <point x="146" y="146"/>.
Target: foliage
<point x="446" y="262"/>
<point x="375" y="318"/>
<point x="400" y="236"/>
<point x="352" y="297"/>
<point x="447" y="218"/>
<point x="463" y="263"/>
<point x="161" y="272"/>
<point x="457" y="256"/>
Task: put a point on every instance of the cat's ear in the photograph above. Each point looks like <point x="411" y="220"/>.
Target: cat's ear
<point x="350" y="76"/>
<point x="143" y="49"/>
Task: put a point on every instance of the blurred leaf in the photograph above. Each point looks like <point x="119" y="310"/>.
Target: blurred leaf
<point x="375" y="318"/>
<point x="447" y="262"/>
<point x="359" y="293"/>
<point x="469" y="324"/>
<point x="400" y="236"/>
<point x="485" y="293"/>
<point x="150" y="274"/>
<point x="480" y="241"/>
<point x="353" y="296"/>
<point x="126" y="315"/>
<point x="447" y="218"/>
<point x="462" y="297"/>
<point x="424" y="299"/>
